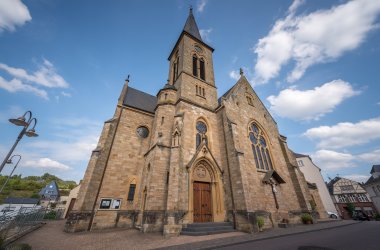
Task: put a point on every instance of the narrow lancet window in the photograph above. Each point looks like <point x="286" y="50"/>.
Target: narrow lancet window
<point x="202" y="69"/>
<point x="195" y="66"/>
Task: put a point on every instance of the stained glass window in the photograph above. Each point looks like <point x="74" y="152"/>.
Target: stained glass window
<point x="201" y="133"/>
<point x="260" y="148"/>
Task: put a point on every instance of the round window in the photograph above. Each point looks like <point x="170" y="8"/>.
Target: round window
<point x="201" y="127"/>
<point x="143" y="132"/>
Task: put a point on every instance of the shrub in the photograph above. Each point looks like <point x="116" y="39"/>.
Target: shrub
<point x="306" y="218"/>
<point x="377" y="217"/>
<point x="50" y="215"/>
<point x="260" y="222"/>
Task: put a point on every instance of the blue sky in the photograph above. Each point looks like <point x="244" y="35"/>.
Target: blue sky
<point x="313" y="63"/>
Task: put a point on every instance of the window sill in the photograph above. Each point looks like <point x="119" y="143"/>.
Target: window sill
<point x="201" y="96"/>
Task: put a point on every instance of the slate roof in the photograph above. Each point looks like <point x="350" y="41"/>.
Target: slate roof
<point x="375" y="168"/>
<point x="51" y="190"/>
<point x="137" y="99"/>
<point x="297" y="155"/>
<point x="191" y="26"/>
<point x="18" y="200"/>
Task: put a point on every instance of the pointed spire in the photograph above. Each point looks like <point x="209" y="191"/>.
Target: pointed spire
<point x="191" y="26"/>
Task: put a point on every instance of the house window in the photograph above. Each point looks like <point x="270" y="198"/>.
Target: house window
<point x="201" y="133"/>
<point x="362" y="198"/>
<point x="195" y="66"/>
<point x="202" y="69"/>
<point x="260" y="148"/>
<point x="131" y="193"/>
<point x="300" y="163"/>
<point x="342" y="198"/>
<point x="105" y="203"/>
<point x="347" y="188"/>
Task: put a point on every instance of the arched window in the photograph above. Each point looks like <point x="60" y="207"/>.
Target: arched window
<point x="202" y="69"/>
<point x="195" y="66"/>
<point x="201" y="133"/>
<point x="260" y="148"/>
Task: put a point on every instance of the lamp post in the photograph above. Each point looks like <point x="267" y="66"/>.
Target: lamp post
<point x="21" y="121"/>
<point x="14" y="168"/>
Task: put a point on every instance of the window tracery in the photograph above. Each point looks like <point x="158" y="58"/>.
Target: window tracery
<point x="201" y="133"/>
<point x="260" y="148"/>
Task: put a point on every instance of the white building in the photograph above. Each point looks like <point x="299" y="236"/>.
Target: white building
<point x="373" y="186"/>
<point x="15" y="204"/>
<point x="312" y="174"/>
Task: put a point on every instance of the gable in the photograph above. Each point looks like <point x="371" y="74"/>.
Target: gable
<point x="239" y="93"/>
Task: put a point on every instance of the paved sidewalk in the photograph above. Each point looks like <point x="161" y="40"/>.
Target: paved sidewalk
<point x="270" y="234"/>
<point x="51" y="236"/>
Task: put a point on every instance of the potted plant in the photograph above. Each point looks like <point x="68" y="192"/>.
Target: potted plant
<point x="260" y="223"/>
<point x="307" y="219"/>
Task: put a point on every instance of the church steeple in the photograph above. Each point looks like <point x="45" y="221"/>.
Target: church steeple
<point x="191" y="69"/>
<point x="191" y="26"/>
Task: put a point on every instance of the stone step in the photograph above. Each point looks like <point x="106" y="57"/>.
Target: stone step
<point x="206" y="232"/>
<point x="209" y="224"/>
<point x="198" y="229"/>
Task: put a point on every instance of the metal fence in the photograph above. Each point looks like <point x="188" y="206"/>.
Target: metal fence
<point x="17" y="223"/>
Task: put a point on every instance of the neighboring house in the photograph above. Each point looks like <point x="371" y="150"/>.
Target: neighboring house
<point x="15" y="204"/>
<point x="312" y="174"/>
<point x="186" y="156"/>
<point x="71" y="200"/>
<point x="345" y="191"/>
<point x="49" y="194"/>
<point x="373" y="186"/>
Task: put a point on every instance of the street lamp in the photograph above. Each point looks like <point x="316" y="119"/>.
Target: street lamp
<point x="25" y="123"/>
<point x="14" y="168"/>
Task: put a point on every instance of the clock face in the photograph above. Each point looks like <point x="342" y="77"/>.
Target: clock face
<point x="198" y="49"/>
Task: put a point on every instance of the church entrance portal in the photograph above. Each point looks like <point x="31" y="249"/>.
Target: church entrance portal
<point x="202" y="202"/>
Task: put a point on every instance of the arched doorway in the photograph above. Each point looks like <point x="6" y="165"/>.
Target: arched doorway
<point x="205" y="198"/>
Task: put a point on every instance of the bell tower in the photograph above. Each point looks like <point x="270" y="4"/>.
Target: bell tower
<point x="191" y="68"/>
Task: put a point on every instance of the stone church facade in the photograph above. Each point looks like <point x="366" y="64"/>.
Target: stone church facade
<point x="185" y="156"/>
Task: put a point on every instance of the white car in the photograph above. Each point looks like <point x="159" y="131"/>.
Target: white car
<point x="333" y="215"/>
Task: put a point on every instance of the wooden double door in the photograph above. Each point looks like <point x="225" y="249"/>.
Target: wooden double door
<point x="202" y="202"/>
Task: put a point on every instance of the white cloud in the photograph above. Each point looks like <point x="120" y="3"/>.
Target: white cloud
<point x="371" y="157"/>
<point x="317" y="37"/>
<point x="46" y="163"/>
<point x="201" y="4"/>
<point x="311" y="104"/>
<point x="46" y="75"/>
<point x="65" y="94"/>
<point x="13" y="13"/>
<point x="331" y="160"/>
<point x="357" y="177"/>
<point x="205" y="34"/>
<point x="234" y="74"/>
<point x="16" y="85"/>
<point x="345" y="134"/>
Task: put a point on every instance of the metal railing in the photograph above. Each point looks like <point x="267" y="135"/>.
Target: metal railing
<point x="16" y="223"/>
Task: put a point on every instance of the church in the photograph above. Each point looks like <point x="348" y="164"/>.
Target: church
<point x="186" y="156"/>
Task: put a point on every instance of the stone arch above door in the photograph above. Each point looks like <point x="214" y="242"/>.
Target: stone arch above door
<point x="201" y="172"/>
